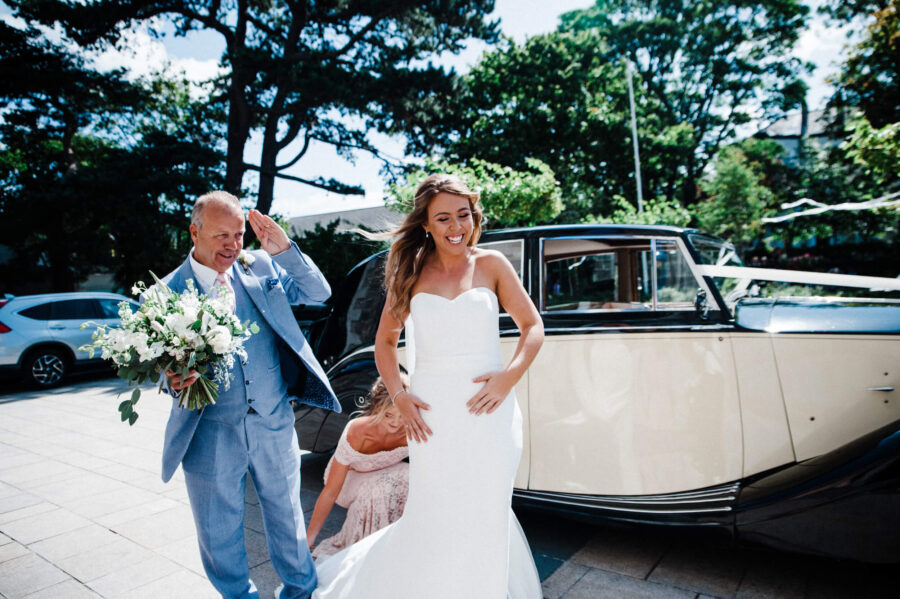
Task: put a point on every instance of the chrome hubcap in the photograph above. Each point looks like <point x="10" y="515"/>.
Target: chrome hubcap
<point x="48" y="369"/>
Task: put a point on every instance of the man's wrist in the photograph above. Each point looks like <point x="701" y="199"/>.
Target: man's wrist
<point x="281" y="251"/>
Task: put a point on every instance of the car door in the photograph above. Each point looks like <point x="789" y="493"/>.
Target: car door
<point x="514" y="250"/>
<point x="67" y="316"/>
<point x="634" y="391"/>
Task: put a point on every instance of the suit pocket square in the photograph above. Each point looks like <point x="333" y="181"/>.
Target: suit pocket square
<point x="272" y="283"/>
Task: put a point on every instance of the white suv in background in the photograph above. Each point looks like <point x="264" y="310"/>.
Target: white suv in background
<point x="40" y="334"/>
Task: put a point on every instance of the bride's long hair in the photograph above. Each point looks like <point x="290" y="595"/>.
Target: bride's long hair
<point x="410" y="246"/>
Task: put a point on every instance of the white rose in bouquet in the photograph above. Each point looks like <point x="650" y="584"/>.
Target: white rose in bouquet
<point x="219" y="339"/>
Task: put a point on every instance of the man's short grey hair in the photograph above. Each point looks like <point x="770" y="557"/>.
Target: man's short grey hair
<point x="213" y="197"/>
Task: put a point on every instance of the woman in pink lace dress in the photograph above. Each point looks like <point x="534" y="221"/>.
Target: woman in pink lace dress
<point x="366" y="475"/>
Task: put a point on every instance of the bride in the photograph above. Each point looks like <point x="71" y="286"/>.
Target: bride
<point x="458" y="537"/>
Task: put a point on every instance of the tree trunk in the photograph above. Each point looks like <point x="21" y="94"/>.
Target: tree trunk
<point x="238" y="128"/>
<point x="267" y="164"/>
<point x="689" y="191"/>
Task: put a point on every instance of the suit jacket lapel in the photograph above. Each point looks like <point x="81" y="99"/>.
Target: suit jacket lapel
<point x="253" y="289"/>
<point x="184" y="274"/>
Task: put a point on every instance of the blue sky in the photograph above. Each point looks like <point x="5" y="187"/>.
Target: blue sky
<point x="198" y="56"/>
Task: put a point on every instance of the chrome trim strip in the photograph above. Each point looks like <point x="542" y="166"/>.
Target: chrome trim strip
<point x="615" y="311"/>
<point x="654" y="282"/>
<point x="575" y="502"/>
<point x="631" y="329"/>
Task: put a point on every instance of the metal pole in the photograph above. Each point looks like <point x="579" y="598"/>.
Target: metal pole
<point x="654" y="301"/>
<point x="634" y="137"/>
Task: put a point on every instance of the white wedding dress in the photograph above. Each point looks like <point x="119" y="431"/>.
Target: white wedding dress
<point x="458" y="537"/>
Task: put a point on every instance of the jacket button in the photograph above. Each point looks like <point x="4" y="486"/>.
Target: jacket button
<point x="249" y="401"/>
<point x="248" y="382"/>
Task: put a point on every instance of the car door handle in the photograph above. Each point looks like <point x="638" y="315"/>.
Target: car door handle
<point x="885" y="389"/>
<point x="57" y="328"/>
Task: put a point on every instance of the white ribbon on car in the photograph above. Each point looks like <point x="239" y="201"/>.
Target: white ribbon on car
<point x="799" y="276"/>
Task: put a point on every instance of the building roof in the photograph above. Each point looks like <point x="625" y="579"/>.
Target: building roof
<point x="789" y="126"/>
<point x="376" y="218"/>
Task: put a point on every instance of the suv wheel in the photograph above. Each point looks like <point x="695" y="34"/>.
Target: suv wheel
<point x="45" y="367"/>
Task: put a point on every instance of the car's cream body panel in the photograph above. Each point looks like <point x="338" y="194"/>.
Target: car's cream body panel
<point x="767" y="437"/>
<point x="634" y="413"/>
<point x="826" y="381"/>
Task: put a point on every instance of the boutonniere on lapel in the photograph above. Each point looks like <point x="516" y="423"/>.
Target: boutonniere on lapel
<point x="246" y="259"/>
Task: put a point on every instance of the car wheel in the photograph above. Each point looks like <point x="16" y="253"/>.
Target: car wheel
<point x="45" y="368"/>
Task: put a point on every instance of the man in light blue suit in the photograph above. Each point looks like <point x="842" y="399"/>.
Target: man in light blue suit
<point x="250" y="428"/>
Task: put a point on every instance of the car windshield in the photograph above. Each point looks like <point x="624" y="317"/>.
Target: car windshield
<point x="715" y="251"/>
<point x="719" y="253"/>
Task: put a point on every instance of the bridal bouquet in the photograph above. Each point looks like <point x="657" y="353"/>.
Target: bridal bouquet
<point x="174" y="332"/>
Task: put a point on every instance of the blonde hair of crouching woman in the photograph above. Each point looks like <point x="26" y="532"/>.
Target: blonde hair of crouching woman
<point x="366" y="475"/>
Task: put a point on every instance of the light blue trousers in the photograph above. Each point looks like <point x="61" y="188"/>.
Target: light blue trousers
<point x="215" y="470"/>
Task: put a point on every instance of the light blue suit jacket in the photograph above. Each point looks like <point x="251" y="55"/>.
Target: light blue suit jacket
<point x="274" y="284"/>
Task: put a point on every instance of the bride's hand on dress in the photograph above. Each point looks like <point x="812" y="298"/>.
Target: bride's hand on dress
<point x="409" y="406"/>
<point x="496" y="388"/>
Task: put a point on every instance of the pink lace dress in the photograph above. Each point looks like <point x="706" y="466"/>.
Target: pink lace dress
<point x="374" y="493"/>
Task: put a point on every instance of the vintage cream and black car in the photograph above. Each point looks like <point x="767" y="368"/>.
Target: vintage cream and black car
<point x="660" y="398"/>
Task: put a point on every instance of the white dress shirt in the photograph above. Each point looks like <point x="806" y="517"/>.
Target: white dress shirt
<point x="206" y="276"/>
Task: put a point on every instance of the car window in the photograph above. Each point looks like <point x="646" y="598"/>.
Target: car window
<point x="80" y="309"/>
<point x="39" y="312"/>
<point x="582" y="282"/>
<point x="615" y="274"/>
<point x="364" y="311"/>
<point x="675" y="283"/>
<point x="512" y="249"/>
<point x="109" y="308"/>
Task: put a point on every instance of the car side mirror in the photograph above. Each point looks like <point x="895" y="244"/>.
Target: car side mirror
<point x="701" y="304"/>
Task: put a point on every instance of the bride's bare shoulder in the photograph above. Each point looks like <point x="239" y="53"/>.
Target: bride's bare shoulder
<point x="493" y="263"/>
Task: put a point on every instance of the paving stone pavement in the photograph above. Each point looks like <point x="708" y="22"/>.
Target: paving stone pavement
<point x="83" y="513"/>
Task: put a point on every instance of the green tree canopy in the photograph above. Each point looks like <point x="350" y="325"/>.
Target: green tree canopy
<point x="737" y="198"/>
<point x="705" y="62"/>
<point x="302" y="72"/>
<point x="870" y="77"/>
<point x="336" y="252"/>
<point x="96" y="172"/>
<point x="556" y="98"/>
<point x="509" y="198"/>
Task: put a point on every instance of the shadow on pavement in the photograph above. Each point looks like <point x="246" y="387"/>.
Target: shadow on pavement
<point x="13" y="389"/>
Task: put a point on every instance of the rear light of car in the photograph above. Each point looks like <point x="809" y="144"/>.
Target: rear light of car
<point x="3" y="302"/>
<point x="4" y="328"/>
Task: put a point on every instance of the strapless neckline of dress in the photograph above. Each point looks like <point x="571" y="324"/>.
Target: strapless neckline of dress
<point x="451" y="300"/>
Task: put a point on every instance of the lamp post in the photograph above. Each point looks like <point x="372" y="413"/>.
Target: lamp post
<point x="634" y="138"/>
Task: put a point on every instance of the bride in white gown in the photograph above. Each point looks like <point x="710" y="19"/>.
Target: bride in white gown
<point x="458" y="537"/>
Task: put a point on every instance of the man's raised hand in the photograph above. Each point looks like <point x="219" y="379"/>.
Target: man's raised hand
<point x="271" y="236"/>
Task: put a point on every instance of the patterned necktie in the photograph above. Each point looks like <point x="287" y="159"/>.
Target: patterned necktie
<point x="228" y="294"/>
